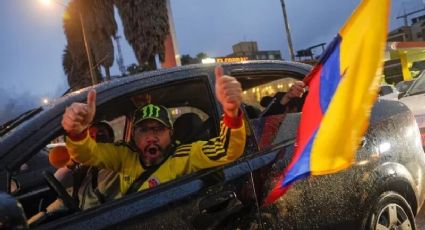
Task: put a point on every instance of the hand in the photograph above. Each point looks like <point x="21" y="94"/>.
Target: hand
<point x="228" y="91"/>
<point x="296" y="90"/>
<point x="78" y="116"/>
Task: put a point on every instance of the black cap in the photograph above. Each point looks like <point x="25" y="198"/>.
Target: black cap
<point x="155" y="112"/>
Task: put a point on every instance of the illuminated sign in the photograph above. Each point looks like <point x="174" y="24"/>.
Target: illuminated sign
<point x="231" y="59"/>
<point x="208" y="60"/>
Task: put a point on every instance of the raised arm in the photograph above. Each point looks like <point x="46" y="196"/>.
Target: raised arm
<point x="79" y="116"/>
<point x="229" y="145"/>
<point x="81" y="147"/>
<point x="280" y="100"/>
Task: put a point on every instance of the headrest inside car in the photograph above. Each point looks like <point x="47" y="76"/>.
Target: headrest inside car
<point x="189" y="128"/>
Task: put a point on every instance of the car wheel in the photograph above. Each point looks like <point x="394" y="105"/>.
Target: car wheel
<point x="391" y="211"/>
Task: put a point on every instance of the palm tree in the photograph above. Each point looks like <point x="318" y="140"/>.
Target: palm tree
<point x="201" y="56"/>
<point x="77" y="76"/>
<point x="100" y="27"/>
<point x="75" y="58"/>
<point x="145" y="27"/>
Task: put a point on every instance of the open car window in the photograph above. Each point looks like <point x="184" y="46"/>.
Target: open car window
<point x="117" y="113"/>
<point x="257" y="95"/>
<point x="258" y="92"/>
<point x="26" y="178"/>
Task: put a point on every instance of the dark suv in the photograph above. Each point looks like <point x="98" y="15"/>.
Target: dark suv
<point x="382" y="190"/>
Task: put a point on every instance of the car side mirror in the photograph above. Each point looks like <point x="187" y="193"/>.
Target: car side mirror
<point x="12" y="214"/>
<point x="400" y="95"/>
<point x="403" y="86"/>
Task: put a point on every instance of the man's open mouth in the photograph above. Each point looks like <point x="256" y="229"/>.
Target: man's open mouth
<point x="152" y="150"/>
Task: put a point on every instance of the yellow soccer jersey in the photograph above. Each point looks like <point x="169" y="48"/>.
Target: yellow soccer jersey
<point x="225" y="148"/>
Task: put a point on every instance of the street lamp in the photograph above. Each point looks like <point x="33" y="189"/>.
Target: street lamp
<point x="45" y="101"/>
<point x="86" y="44"/>
<point x="46" y="2"/>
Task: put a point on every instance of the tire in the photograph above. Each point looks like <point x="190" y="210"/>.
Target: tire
<point x="391" y="211"/>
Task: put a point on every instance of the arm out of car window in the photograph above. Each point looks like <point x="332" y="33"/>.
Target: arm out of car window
<point x="220" y="150"/>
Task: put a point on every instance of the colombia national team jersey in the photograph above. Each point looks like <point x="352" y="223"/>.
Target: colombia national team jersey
<point x="188" y="158"/>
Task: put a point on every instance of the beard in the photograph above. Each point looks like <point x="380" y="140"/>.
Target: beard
<point x="153" y="154"/>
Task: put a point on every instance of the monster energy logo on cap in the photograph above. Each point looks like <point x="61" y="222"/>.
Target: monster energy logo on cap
<point x="151" y="111"/>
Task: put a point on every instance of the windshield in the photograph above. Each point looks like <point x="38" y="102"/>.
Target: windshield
<point x="6" y="127"/>
<point x="418" y="86"/>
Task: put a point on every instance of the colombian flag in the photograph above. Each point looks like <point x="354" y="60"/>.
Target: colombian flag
<point x="342" y="89"/>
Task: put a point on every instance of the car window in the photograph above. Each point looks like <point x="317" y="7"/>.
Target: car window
<point x="418" y="86"/>
<point x="272" y="129"/>
<point x="257" y="94"/>
<point x="30" y="178"/>
<point x="183" y="107"/>
<point x="118" y="112"/>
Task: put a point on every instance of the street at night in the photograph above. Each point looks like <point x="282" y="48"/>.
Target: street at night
<point x="242" y="114"/>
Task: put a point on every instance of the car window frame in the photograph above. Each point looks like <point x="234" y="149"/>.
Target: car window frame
<point x="192" y="178"/>
<point x="203" y="79"/>
<point x="284" y="74"/>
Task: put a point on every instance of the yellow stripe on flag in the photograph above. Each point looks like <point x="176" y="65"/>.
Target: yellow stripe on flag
<point x="347" y="118"/>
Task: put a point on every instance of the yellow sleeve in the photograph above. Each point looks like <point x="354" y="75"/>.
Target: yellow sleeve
<point x="102" y="155"/>
<point x="225" y="148"/>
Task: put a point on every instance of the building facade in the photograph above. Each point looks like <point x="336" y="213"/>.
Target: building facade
<point x="249" y="51"/>
<point x="409" y="33"/>
<point x="405" y="51"/>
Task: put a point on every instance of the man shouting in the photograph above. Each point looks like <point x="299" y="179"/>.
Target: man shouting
<point x="153" y="158"/>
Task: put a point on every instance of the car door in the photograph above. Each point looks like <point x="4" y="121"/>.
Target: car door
<point x="220" y="197"/>
<point x="274" y="134"/>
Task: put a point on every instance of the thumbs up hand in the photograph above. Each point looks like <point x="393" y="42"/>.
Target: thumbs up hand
<point x="79" y="116"/>
<point x="228" y="91"/>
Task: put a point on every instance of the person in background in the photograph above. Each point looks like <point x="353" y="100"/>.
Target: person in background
<point x="280" y="103"/>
